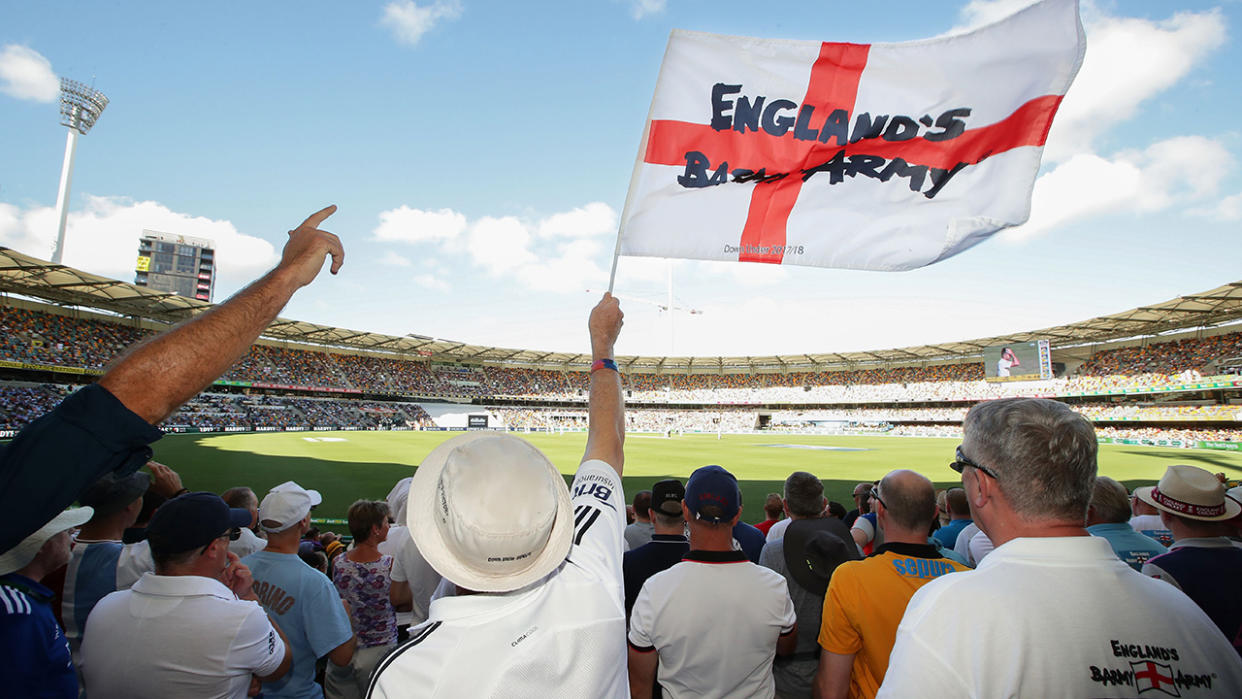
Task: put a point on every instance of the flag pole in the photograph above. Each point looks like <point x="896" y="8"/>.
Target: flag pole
<point x="638" y="161"/>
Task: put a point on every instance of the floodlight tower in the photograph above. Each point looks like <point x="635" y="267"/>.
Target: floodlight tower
<point x="80" y="107"/>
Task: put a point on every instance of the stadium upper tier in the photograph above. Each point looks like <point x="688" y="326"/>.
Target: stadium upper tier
<point x="36" y="339"/>
<point x="32" y="277"/>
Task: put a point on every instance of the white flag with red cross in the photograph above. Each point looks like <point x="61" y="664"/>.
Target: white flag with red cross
<point x="862" y="156"/>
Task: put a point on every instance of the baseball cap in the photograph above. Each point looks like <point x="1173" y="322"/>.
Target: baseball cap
<point x="712" y="495"/>
<point x="489" y="512"/>
<point x="25" y="551"/>
<point x="285" y="505"/>
<point x="1192" y="492"/>
<point x="114" y="493"/>
<point x="666" y="496"/>
<point x="814" y="548"/>
<point x="192" y="520"/>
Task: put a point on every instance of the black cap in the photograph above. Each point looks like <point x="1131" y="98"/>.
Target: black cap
<point x="814" y="548"/>
<point x="666" y="497"/>
<point x="191" y="521"/>
<point x="114" y="493"/>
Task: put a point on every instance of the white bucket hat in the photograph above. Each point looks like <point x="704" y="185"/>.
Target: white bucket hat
<point x="489" y="512"/>
<point x="286" y="505"/>
<point x="24" y="552"/>
<point x="1190" y="492"/>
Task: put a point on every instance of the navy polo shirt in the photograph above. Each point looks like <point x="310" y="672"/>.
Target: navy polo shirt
<point x="661" y="553"/>
<point x="52" y="460"/>
<point x="36" y="660"/>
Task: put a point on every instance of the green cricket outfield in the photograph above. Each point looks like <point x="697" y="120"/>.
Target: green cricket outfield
<point x="346" y="466"/>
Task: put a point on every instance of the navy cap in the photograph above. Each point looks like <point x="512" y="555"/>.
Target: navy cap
<point x="666" y="497"/>
<point x="712" y="495"/>
<point x="112" y="494"/>
<point x="192" y="521"/>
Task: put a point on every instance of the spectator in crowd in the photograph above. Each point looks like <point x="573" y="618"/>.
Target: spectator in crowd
<point x="363" y="576"/>
<point x="191" y="629"/>
<point x="248" y="541"/>
<point x="303" y="602"/>
<point x="864" y="530"/>
<point x="106" y="427"/>
<point x="862" y="492"/>
<point x="773" y="509"/>
<point x="674" y="641"/>
<point x="549" y="616"/>
<point x="36" y="660"/>
<point x="135" y="559"/>
<point x="1147" y="521"/>
<point x="92" y="571"/>
<point x="1108" y="516"/>
<point x="641" y="531"/>
<point x="413" y="579"/>
<point x="1028" y="466"/>
<point x="836" y="509"/>
<point x="749" y="540"/>
<point x="959" y="517"/>
<point x="315" y="559"/>
<point x="667" y="545"/>
<point x="812" y="548"/>
<point x="865" y="600"/>
<point x="1202" y="562"/>
<point x="942" y="508"/>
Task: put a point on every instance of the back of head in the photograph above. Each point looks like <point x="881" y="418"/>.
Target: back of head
<point x="909" y="500"/>
<point x="773" y="506"/>
<point x="187" y="523"/>
<point x="955" y="499"/>
<point x="804" y="494"/>
<point x="712" y="496"/>
<point x="111" y="495"/>
<point x="642" y="504"/>
<point x="1110" y="501"/>
<point x="1043" y="454"/>
<point x="242" y="497"/>
<point x="363" y="515"/>
<point x="666" y="497"/>
<point x="836" y="509"/>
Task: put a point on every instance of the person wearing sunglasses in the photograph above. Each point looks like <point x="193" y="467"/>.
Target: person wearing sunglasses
<point x="1052" y="611"/>
<point x="193" y="627"/>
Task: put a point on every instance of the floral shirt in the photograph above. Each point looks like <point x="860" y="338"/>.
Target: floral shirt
<point x="365" y="587"/>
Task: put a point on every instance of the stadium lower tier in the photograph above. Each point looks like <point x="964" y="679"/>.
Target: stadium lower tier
<point x="1186" y="424"/>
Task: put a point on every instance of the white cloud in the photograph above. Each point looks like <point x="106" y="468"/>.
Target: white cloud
<point x="642" y="8"/>
<point x="409" y="21"/>
<point x="596" y="218"/>
<point x="1171" y="172"/>
<point x="500" y="245"/>
<point x="392" y="259"/>
<point x="102" y="238"/>
<point x="1227" y="209"/>
<point x="415" y="225"/>
<point x="27" y="75"/>
<point x="1128" y="62"/>
<point x="430" y="281"/>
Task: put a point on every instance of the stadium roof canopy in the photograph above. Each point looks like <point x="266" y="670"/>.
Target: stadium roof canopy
<point x="28" y="276"/>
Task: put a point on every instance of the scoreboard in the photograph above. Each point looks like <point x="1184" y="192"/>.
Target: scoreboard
<point x="178" y="264"/>
<point x="1020" y="361"/>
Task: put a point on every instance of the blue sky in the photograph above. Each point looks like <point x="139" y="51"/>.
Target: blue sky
<point x="480" y="153"/>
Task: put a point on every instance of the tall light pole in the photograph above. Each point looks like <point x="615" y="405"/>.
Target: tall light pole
<point x="80" y="106"/>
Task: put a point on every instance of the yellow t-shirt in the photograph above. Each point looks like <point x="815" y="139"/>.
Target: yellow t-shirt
<point x="864" y="605"/>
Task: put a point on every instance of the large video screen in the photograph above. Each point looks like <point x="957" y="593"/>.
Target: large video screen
<point x="1020" y="361"/>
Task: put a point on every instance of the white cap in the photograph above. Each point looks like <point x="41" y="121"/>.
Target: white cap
<point x="286" y="505"/>
<point x="24" y="552"/>
<point x="489" y="512"/>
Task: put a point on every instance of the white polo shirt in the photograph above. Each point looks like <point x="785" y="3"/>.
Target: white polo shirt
<point x="563" y="636"/>
<point x="177" y="636"/>
<point x="1058" y="617"/>
<point x="714" y="619"/>
<point x="408" y="565"/>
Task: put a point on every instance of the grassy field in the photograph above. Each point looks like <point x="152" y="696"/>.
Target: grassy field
<point x="345" y="466"/>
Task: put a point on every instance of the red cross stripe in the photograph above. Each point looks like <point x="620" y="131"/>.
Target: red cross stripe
<point x="833" y="85"/>
<point x="1153" y="676"/>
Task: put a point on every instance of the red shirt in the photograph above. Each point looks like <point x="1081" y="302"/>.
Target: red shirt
<point x="765" y="525"/>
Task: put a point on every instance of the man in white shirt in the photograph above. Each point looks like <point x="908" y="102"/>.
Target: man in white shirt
<point x="539" y="609"/>
<point x="192" y="628"/>
<point x="1053" y="611"/>
<point x="678" y="634"/>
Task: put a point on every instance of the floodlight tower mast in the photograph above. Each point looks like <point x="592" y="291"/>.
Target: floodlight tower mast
<point x="80" y="107"/>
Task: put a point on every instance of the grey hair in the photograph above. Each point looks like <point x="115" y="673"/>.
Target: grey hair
<point x="1043" y="452"/>
<point x="1110" y="500"/>
<point x="804" y="494"/>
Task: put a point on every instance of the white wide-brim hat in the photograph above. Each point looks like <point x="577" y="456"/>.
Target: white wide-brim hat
<point x="25" y="551"/>
<point x="1191" y="492"/>
<point x="489" y="512"/>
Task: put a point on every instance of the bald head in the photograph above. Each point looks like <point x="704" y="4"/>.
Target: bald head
<point x="909" y="499"/>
